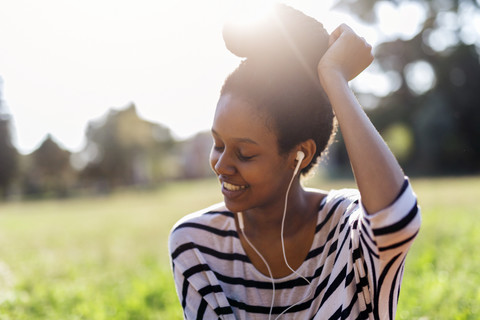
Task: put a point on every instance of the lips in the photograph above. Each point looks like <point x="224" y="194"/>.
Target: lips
<point x="232" y="191"/>
<point x="232" y="187"/>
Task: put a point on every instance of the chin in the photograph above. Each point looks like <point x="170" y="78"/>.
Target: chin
<point x="232" y="207"/>
<point x="235" y="206"/>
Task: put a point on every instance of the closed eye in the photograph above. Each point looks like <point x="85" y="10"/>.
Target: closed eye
<point x="241" y="157"/>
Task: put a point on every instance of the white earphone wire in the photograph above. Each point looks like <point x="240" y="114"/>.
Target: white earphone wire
<point x="241" y="225"/>
<point x="283" y="244"/>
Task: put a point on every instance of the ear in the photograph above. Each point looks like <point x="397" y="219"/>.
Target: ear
<point x="308" y="147"/>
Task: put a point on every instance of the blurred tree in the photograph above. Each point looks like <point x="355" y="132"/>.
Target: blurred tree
<point x="8" y="153"/>
<point x="195" y="156"/>
<point x="436" y="100"/>
<point x="124" y="149"/>
<point x="48" y="170"/>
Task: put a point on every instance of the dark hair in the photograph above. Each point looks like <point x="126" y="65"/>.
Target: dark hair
<point x="279" y="77"/>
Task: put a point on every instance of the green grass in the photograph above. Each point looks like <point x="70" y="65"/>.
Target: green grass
<point x="98" y="258"/>
<point x="442" y="274"/>
<point x="106" y="257"/>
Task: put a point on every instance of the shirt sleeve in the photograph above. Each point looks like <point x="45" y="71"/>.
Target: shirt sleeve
<point x="197" y="287"/>
<point x="392" y="230"/>
<point x="384" y="239"/>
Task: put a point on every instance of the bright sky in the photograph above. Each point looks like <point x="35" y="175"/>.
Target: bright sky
<point x="64" y="63"/>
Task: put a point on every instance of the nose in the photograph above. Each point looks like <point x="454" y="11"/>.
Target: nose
<point x="221" y="163"/>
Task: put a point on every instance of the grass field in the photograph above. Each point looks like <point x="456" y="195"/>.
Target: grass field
<point x="106" y="257"/>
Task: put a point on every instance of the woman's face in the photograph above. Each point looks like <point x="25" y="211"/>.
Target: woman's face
<point x="246" y="158"/>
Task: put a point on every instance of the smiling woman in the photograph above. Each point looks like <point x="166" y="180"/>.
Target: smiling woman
<point x="273" y="248"/>
<point x="243" y="143"/>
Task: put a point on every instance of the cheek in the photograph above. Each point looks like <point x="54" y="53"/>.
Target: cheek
<point x="264" y="174"/>
<point x="278" y="174"/>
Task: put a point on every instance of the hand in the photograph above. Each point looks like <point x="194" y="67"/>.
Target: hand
<point x="347" y="53"/>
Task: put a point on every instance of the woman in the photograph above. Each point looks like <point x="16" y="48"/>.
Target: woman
<point x="274" y="249"/>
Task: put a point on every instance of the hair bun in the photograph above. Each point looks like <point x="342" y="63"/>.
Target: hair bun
<point x="284" y="33"/>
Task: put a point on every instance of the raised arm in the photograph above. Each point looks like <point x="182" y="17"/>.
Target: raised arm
<point x="377" y="173"/>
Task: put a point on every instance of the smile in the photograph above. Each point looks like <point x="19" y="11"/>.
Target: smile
<point x="232" y="187"/>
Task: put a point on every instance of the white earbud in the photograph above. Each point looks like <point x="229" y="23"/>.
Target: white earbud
<point x="299" y="158"/>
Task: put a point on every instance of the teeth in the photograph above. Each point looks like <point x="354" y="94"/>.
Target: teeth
<point x="231" y="187"/>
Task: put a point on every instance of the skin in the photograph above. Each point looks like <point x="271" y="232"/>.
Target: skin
<point x="255" y="176"/>
<point x="245" y="154"/>
<point x="378" y="175"/>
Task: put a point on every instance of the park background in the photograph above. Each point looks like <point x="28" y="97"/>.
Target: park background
<point x="104" y="115"/>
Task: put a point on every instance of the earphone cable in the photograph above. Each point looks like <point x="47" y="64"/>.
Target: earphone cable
<point x="240" y="220"/>
<point x="283" y="248"/>
<point x="242" y="227"/>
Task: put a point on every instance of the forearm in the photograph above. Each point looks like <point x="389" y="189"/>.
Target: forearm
<point x="377" y="172"/>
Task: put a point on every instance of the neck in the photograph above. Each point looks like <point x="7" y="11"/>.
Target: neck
<point x="268" y="221"/>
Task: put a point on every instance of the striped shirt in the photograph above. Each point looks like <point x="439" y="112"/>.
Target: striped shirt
<point x="355" y="264"/>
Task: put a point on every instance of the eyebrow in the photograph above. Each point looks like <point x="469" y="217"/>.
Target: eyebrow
<point x="244" y="140"/>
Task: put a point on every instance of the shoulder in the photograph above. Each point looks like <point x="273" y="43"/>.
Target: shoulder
<point x="335" y="202"/>
<point x="341" y="200"/>
<point x="334" y="206"/>
<point x="334" y="195"/>
<point x="209" y="216"/>
<point x="199" y="226"/>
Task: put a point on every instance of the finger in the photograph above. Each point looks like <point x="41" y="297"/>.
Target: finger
<point x="368" y="47"/>
<point x="332" y="38"/>
<point x="338" y="32"/>
<point x="365" y="42"/>
<point x="335" y="35"/>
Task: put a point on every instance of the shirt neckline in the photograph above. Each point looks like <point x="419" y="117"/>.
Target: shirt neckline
<point x="303" y="265"/>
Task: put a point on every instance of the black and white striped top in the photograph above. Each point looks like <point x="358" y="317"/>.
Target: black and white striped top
<point x="355" y="264"/>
